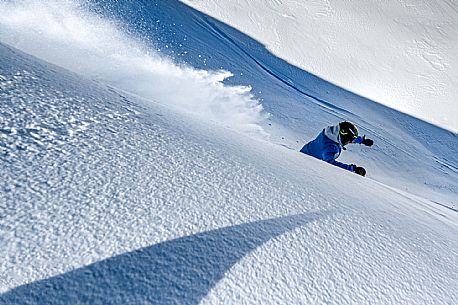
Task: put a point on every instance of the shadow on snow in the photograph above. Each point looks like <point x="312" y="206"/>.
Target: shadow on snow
<point x="179" y="271"/>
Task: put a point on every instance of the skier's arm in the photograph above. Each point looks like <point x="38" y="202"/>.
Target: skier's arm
<point x="358" y="140"/>
<point x="363" y="140"/>
<point x="329" y="157"/>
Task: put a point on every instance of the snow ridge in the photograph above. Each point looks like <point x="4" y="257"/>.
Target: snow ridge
<point x="118" y="191"/>
<point x="67" y="34"/>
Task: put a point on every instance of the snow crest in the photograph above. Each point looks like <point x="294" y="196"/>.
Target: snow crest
<point x="68" y="34"/>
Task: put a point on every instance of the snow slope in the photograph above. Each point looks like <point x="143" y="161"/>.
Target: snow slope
<point x="111" y="199"/>
<point x="68" y="34"/>
<point x="398" y="53"/>
<point x="115" y="193"/>
<point x="421" y="157"/>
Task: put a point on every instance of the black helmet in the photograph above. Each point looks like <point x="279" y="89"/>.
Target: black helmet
<point x="348" y="132"/>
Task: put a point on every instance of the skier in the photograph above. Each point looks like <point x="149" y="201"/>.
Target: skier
<point x="329" y="144"/>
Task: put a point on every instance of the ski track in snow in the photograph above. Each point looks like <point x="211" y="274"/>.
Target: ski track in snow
<point x="400" y="40"/>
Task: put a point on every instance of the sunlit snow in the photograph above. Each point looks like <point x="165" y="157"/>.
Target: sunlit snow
<point x="149" y="155"/>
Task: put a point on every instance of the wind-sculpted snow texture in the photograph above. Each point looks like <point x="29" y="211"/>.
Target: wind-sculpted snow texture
<point x="181" y="270"/>
<point x="121" y="43"/>
<point x="66" y="33"/>
<point x="110" y="200"/>
<point x="113" y="193"/>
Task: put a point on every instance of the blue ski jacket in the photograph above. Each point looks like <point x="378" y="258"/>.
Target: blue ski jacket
<point x="327" y="147"/>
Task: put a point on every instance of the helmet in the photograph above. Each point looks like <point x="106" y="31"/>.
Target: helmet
<point x="348" y="132"/>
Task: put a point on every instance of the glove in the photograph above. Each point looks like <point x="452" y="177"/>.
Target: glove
<point x="367" y="142"/>
<point x="360" y="171"/>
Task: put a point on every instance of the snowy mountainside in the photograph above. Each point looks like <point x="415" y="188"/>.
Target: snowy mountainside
<point x="422" y="156"/>
<point x="111" y="199"/>
<point x="129" y="177"/>
<point x="398" y="53"/>
<point x="409" y="154"/>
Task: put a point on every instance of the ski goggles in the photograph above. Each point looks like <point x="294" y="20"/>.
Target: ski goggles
<point x="349" y="133"/>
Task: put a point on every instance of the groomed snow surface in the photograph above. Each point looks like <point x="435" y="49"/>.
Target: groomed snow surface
<point x="122" y="185"/>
